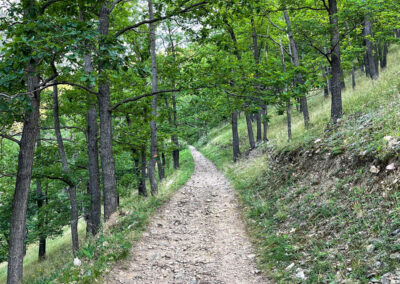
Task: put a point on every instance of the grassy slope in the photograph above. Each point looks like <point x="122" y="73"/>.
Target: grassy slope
<point x="323" y="210"/>
<point x="97" y="258"/>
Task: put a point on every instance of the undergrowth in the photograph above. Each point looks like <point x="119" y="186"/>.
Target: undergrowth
<point x="312" y="204"/>
<point x="112" y="245"/>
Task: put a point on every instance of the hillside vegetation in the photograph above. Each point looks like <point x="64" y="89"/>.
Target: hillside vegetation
<point x="112" y="244"/>
<point x="324" y="208"/>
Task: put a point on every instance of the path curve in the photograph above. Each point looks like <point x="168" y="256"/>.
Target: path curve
<point x="198" y="237"/>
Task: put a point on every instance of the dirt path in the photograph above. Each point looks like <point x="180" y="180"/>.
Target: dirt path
<point x="198" y="237"/>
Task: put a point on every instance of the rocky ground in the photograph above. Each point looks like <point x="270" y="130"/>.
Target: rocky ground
<point x="198" y="237"/>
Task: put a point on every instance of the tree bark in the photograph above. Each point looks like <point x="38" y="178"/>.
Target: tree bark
<point x="41" y="219"/>
<point x="296" y="61"/>
<point x="142" y="184"/>
<point x="110" y="195"/>
<point x="371" y="62"/>
<point x="64" y="161"/>
<point x="256" y="55"/>
<point x="259" y="126"/>
<point x="153" y="125"/>
<point x="265" y="122"/>
<point x="94" y="215"/>
<point x="250" y="132"/>
<point x="289" y="120"/>
<point x="326" y="80"/>
<point x="23" y="180"/>
<point x="383" y="54"/>
<point x="335" y="62"/>
<point x="174" y="136"/>
<point x="235" y="136"/>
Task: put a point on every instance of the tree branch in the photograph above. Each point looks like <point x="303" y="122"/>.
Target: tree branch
<point x="114" y="107"/>
<point x="276" y="26"/>
<point x="5" y="136"/>
<point x="47" y="5"/>
<point x="188" y="9"/>
<point x="69" y="84"/>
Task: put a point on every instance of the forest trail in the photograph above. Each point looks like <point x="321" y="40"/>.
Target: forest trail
<point x="197" y="237"/>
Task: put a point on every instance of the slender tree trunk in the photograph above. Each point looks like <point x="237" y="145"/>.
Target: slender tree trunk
<point x="23" y="180"/>
<point x="326" y="80"/>
<point x="353" y="73"/>
<point x="175" y="139"/>
<point x="94" y="214"/>
<point x="250" y="132"/>
<point x="72" y="187"/>
<point x="256" y="55"/>
<point x="370" y="59"/>
<point x="296" y="61"/>
<point x="142" y="184"/>
<point x="259" y="126"/>
<point x="265" y="122"/>
<point x="174" y="136"/>
<point x="367" y="67"/>
<point x="93" y="156"/>
<point x="289" y="120"/>
<point x="153" y="125"/>
<point x="384" y="53"/>
<point x="288" y="104"/>
<point x="110" y="195"/>
<point x="41" y="219"/>
<point x="235" y="136"/>
<point x="161" y="174"/>
<point x="336" y="108"/>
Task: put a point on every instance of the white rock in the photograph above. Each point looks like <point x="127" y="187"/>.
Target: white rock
<point x="77" y="262"/>
<point x="105" y="244"/>
<point x="317" y="141"/>
<point x="374" y="170"/>
<point x="388" y="138"/>
<point x="391" y="167"/>
<point x="370" y="248"/>
<point x="290" y="266"/>
<point x="300" y="274"/>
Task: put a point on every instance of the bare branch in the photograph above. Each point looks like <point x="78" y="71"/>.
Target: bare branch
<point x="276" y="26"/>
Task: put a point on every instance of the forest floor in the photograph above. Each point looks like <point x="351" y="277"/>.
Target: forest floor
<point x="197" y="237"/>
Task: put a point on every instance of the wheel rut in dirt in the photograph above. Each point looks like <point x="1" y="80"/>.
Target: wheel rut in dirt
<point x="197" y="237"/>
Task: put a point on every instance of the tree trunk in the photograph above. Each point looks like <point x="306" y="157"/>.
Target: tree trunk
<point x="41" y="219"/>
<point x="259" y="126"/>
<point x="289" y="120"/>
<point x="23" y="180"/>
<point x="161" y="174"/>
<point x="353" y="77"/>
<point x="336" y="68"/>
<point x="256" y="55"/>
<point x="265" y="122"/>
<point x="93" y="156"/>
<point x="110" y="195"/>
<point x="153" y="125"/>
<point x="174" y="137"/>
<point x="142" y="184"/>
<point x="235" y="136"/>
<point x="370" y="59"/>
<point x="384" y="53"/>
<point x="250" y="132"/>
<point x="72" y="187"/>
<point x="296" y="61"/>
<point x="326" y="80"/>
